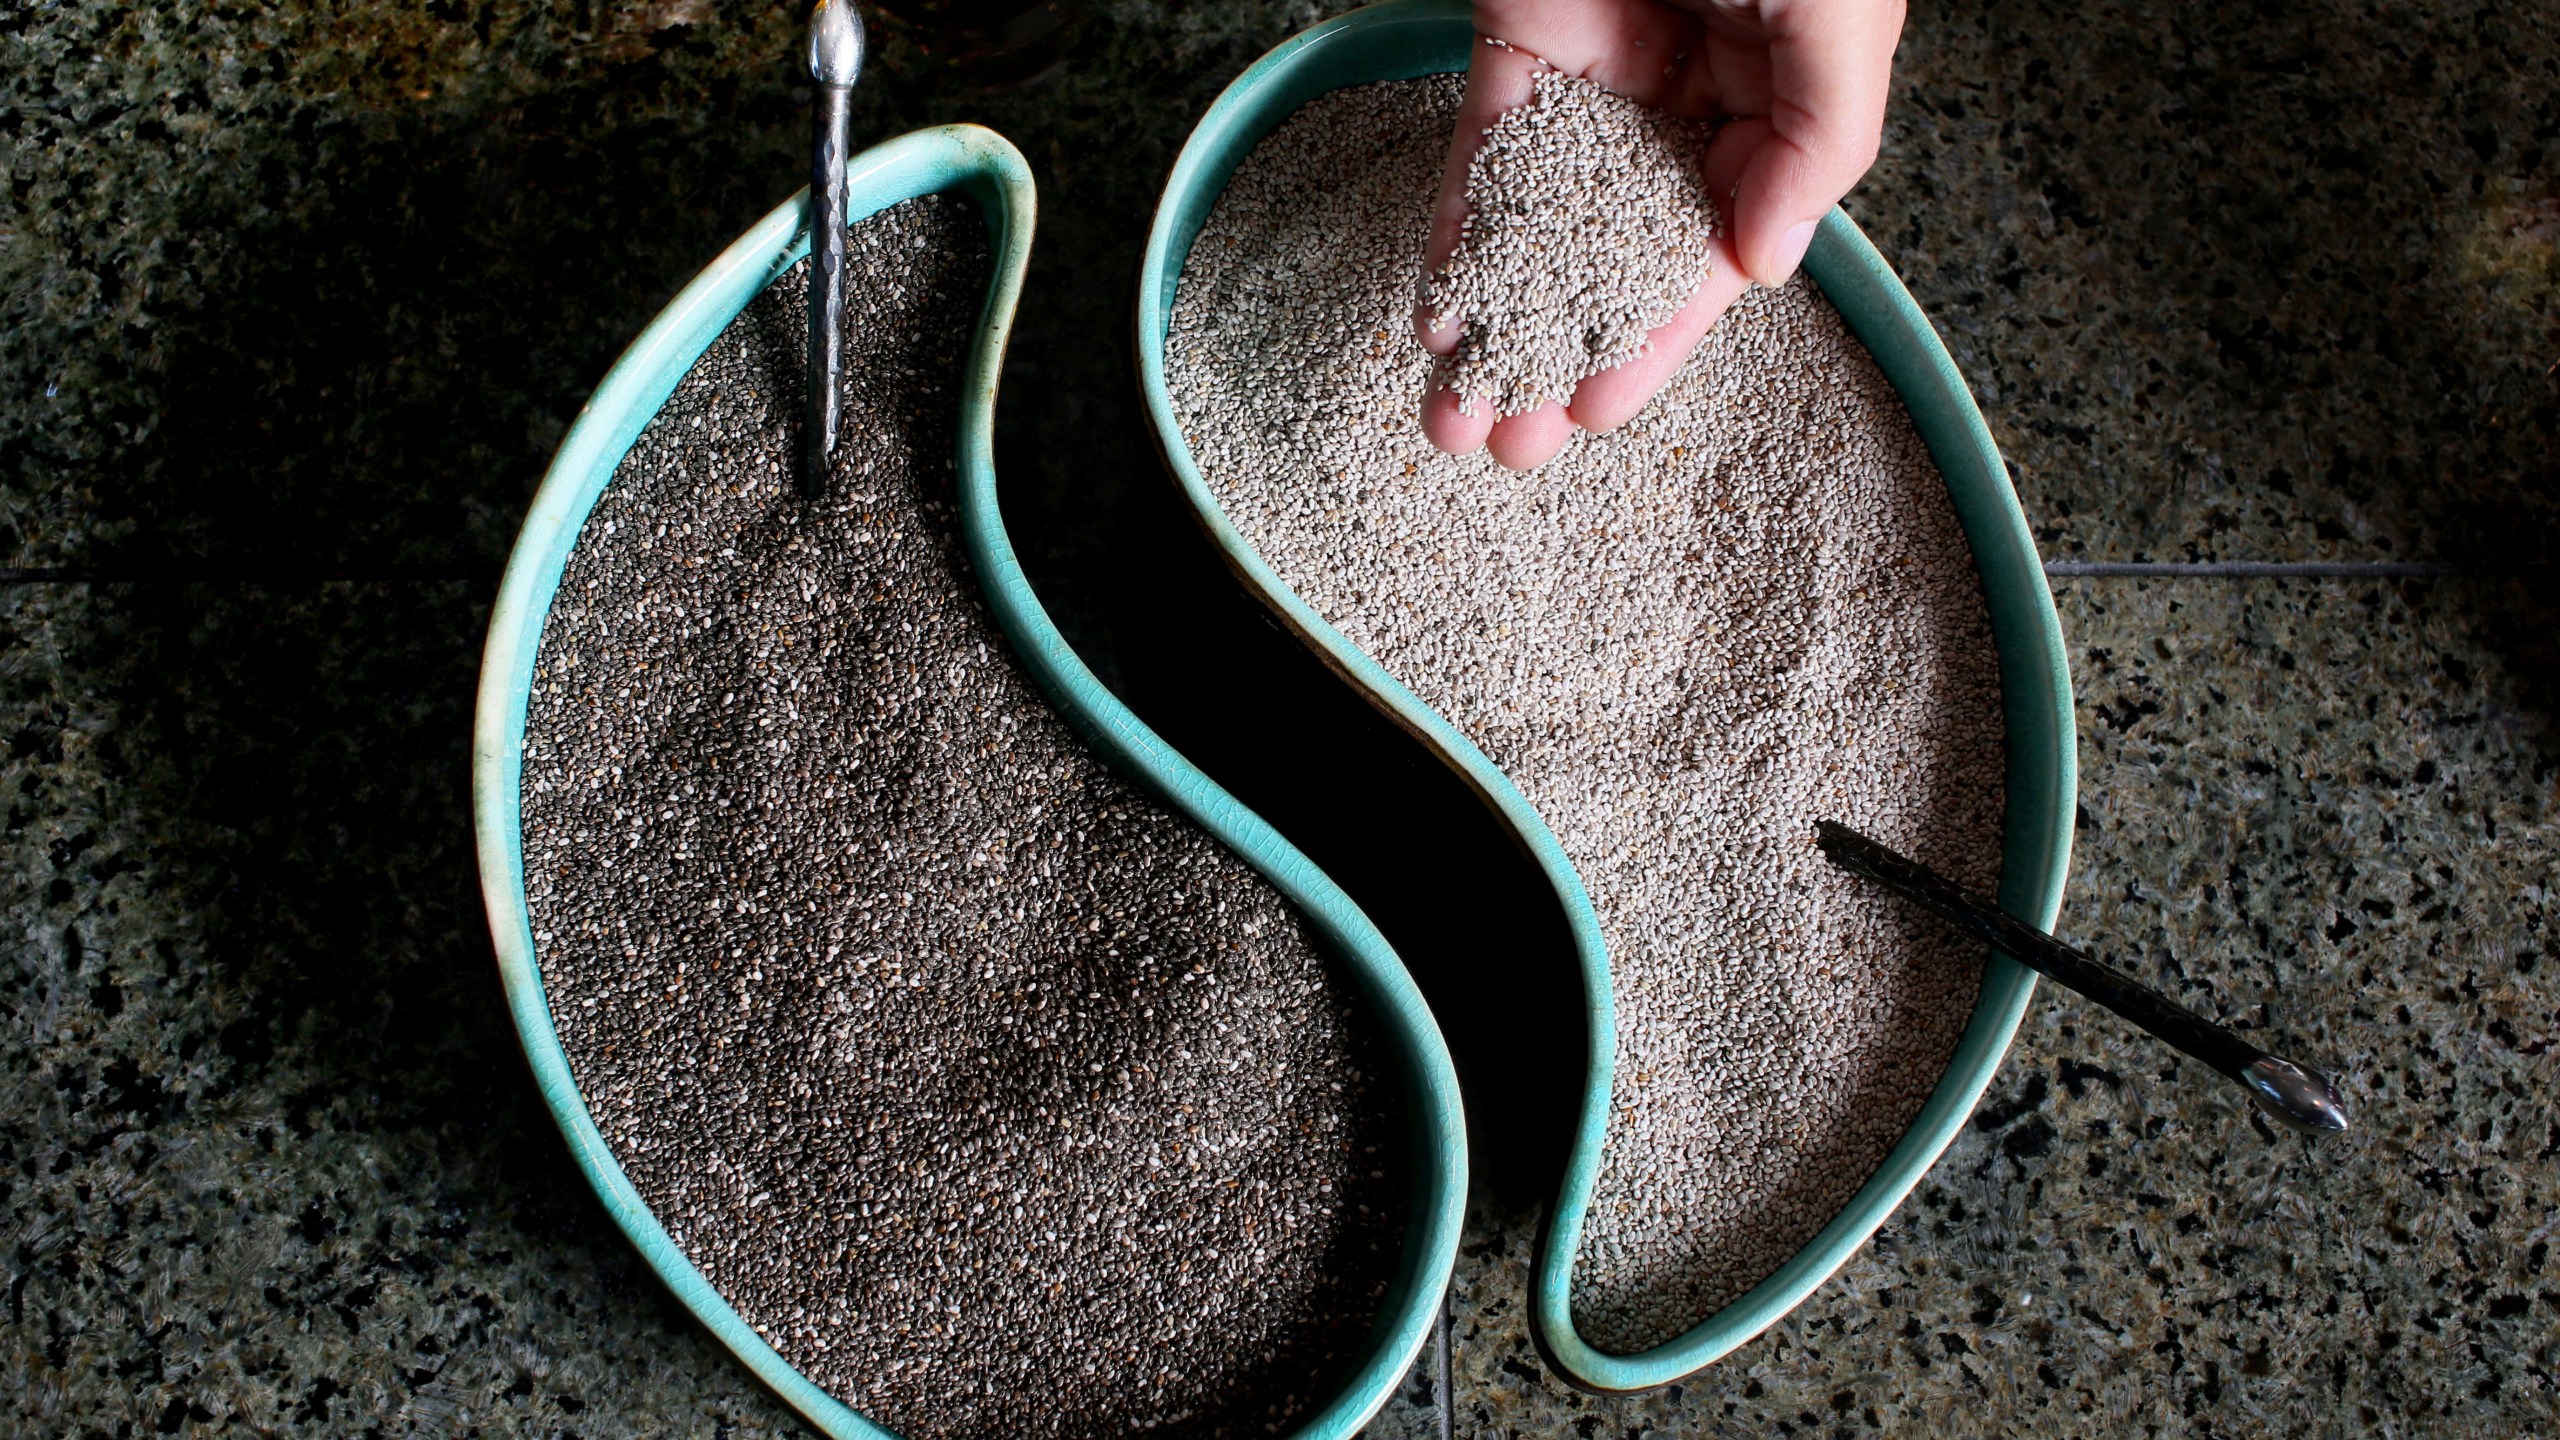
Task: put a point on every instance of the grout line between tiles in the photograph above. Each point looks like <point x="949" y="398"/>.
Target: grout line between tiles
<point x="197" y="573"/>
<point x="2250" y="569"/>
<point x="1444" y="1384"/>
<point x="181" y="572"/>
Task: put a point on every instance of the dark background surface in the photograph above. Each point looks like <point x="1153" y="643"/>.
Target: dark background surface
<point x="298" y="298"/>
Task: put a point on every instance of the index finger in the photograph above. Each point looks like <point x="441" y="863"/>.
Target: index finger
<point x="1498" y="78"/>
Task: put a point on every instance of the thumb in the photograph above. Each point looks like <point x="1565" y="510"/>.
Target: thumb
<point x="1830" y="66"/>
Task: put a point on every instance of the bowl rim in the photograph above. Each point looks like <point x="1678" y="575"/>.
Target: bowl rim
<point x="1401" y="39"/>
<point x="981" y="164"/>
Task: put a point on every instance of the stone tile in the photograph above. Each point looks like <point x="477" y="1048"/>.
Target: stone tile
<point x="2263" y="283"/>
<point x="2315" y="811"/>
<point x="273" y="1163"/>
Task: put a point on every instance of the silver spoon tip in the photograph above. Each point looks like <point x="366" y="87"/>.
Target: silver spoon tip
<point x="2303" y="1099"/>
<point x="835" y="43"/>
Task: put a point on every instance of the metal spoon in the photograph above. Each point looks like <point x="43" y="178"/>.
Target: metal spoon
<point x="2301" y="1098"/>
<point x="835" y="62"/>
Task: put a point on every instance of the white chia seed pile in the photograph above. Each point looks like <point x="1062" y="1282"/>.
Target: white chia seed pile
<point x="1686" y="641"/>
<point x="998" y="1098"/>
<point x="1587" y="225"/>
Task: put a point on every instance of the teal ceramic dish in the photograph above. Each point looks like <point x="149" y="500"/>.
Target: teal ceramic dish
<point x="1407" y="38"/>
<point x="982" y="166"/>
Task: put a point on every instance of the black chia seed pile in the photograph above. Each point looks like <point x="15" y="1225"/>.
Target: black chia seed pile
<point x="1686" y="641"/>
<point x="996" y="1097"/>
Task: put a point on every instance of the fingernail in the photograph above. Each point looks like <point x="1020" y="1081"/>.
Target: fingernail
<point x="1791" y="248"/>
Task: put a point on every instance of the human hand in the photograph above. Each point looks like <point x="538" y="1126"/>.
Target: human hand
<point x="1800" y="85"/>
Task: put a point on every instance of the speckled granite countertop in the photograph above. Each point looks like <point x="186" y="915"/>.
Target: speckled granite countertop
<point x="298" y="298"/>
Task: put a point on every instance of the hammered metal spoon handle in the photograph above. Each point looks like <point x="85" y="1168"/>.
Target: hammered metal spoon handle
<point x="835" y="62"/>
<point x="2300" y="1097"/>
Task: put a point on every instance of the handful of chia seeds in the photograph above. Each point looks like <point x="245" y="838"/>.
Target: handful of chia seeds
<point x="1587" y="229"/>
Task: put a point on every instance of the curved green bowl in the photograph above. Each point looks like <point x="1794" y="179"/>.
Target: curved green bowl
<point x="1406" y="38"/>
<point x="980" y="164"/>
